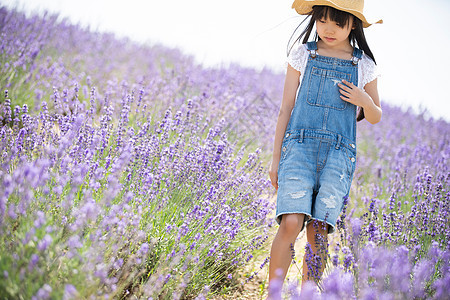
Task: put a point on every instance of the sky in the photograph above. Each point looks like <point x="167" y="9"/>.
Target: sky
<point x="411" y="47"/>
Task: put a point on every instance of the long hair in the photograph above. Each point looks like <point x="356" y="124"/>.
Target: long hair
<point x="342" y="18"/>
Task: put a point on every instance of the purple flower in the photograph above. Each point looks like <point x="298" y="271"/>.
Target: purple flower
<point x="70" y="292"/>
<point x="356" y="224"/>
<point x="442" y="286"/>
<point x="275" y="289"/>
<point x="309" y="290"/>
<point x="169" y="228"/>
<point x="43" y="293"/>
<point x="40" y="219"/>
<point x="422" y="272"/>
<point x="275" y="286"/>
<point x="143" y="249"/>
<point x="90" y="210"/>
<point x="118" y="264"/>
<point x="339" y="285"/>
<point x="349" y="258"/>
<point x="44" y="243"/>
<point x="74" y="242"/>
<point x="12" y="211"/>
<point x="33" y="261"/>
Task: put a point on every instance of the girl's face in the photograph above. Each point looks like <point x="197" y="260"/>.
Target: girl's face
<point x="332" y="33"/>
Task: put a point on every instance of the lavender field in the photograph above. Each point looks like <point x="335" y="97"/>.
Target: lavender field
<point x="129" y="171"/>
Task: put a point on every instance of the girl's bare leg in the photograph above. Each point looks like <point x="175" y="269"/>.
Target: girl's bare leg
<point x="280" y="254"/>
<point x="314" y="265"/>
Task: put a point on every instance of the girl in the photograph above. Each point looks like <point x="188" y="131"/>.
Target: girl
<point x="314" y="150"/>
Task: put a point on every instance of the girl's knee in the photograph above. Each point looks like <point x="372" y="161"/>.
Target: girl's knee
<point x="292" y="224"/>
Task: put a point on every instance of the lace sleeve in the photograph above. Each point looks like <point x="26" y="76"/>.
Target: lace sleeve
<point x="368" y="71"/>
<point x="297" y="57"/>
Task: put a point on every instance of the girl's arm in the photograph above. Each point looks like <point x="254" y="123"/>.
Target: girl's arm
<point x="291" y="83"/>
<point x="367" y="98"/>
<point x="372" y="111"/>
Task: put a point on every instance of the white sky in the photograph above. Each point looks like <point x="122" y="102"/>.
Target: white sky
<point x="411" y="47"/>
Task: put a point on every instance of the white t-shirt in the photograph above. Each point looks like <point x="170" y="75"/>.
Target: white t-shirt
<point x="367" y="69"/>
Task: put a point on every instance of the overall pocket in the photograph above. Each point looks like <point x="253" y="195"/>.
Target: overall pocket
<point x="350" y="158"/>
<point x="323" y="89"/>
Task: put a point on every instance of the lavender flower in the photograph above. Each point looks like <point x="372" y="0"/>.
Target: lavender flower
<point x="44" y="243"/>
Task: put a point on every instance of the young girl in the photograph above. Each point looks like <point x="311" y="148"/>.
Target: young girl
<point x="315" y="141"/>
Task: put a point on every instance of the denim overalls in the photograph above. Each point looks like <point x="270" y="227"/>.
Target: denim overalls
<point x="318" y="151"/>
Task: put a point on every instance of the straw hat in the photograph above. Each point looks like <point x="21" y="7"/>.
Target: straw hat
<point x="355" y="7"/>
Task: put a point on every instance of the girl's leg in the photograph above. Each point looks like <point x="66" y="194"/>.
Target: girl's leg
<point x="280" y="254"/>
<point x="314" y="261"/>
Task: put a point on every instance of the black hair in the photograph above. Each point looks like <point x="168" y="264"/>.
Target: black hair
<point x="342" y="19"/>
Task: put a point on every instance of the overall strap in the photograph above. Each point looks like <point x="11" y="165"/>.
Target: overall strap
<point x="357" y="55"/>
<point x="312" y="48"/>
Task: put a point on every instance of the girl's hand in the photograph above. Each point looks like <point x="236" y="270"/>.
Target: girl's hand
<point x="273" y="173"/>
<point x="354" y="95"/>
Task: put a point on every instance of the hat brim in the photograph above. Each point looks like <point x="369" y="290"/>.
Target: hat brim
<point x="305" y="7"/>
